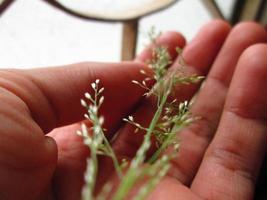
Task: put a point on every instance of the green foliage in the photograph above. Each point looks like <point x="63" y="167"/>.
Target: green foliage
<point x="169" y="118"/>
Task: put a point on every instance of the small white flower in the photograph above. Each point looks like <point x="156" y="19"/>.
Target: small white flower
<point x="142" y="71"/>
<point x="101" y="100"/>
<point x="87" y="95"/>
<point x="189" y="121"/>
<point x="173" y="101"/>
<point x="84" y="104"/>
<point x="101" y="90"/>
<point x="131" y="118"/>
<point x="93" y="85"/>
<point x="135" y="82"/>
<point x="84" y="130"/>
<point x="144" y="83"/>
<point x="176" y="146"/>
<point x="138" y="125"/>
<point x="79" y="133"/>
<point x="86" y="116"/>
<point x="97" y="81"/>
<point x="101" y="120"/>
<point x="136" y="130"/>
<point x="183" y="105"/>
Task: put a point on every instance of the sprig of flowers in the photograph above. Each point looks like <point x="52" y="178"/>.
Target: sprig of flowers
<point x="95" y="139"/>
<point x="169" y="118"/>
<point x="164" y="125"/>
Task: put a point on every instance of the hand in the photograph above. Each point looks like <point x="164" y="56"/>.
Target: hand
<point x="221" y="154"/>
<point x="209" y="166"/>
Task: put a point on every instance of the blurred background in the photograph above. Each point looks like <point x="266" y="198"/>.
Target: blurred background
<point x="35" y="33"/>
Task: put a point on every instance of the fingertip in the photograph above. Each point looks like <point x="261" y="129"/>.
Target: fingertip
<point x="203" y="49"/>
<point x="219" y="22"/>
<point x="255" y="55"/>
<point x="219" y="28"/>
<point x="170" y="39"/>
<point x="248" y="92"/>
<point x="250" y="25"/>
<point x="252" y="64"/>
<point x="249" y="32"/>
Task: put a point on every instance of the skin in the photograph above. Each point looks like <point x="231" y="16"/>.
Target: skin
<point x="220" y="155"/>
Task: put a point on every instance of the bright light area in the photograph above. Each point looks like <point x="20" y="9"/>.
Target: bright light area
<point x="35" y="34"/>
<point x="100" y="5"/>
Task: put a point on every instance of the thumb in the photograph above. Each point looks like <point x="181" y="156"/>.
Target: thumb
<point x="33" y="102"/>
<point x="61" y="89"/>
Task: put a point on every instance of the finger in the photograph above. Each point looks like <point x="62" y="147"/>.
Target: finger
<point x="24" y="150"/>
<point x="72" y="153"/>
<point x="36" y="101"/>
<point x="200" y="54"/>
<point x="233" y="159"/>
<point x="210" y="100"/>
<point x="171" y="40"/>
<point x="53" y="94"/>
<point x="128" y="141"/>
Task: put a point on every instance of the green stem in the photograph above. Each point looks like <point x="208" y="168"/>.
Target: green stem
<point x="162" y="148"/>
<point x="132" y="175"/>
<point x="158" y="171"/>
<point x="95" y="163"/>
<point x="113" y="157"/>
<point x="110" y="150"/>
<point x="92" y="180"/>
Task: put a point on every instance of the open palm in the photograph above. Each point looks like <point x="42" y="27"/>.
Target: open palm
<point x="220" y="154"/>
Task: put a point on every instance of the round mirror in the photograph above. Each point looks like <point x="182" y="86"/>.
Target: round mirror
<point x="114" y="10"/>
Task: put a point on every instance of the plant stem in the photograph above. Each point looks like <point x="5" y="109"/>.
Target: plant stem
<point x="113" y="156"/>
<point x="156" y="173"/>
<point x="95" y="163"/>
<point x="162" y="147"/>
<point x="131" y="176"/>
<point x="91" y="180"/>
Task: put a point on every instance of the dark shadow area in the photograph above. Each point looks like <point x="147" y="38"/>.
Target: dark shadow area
<point x="261" y="187"/>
